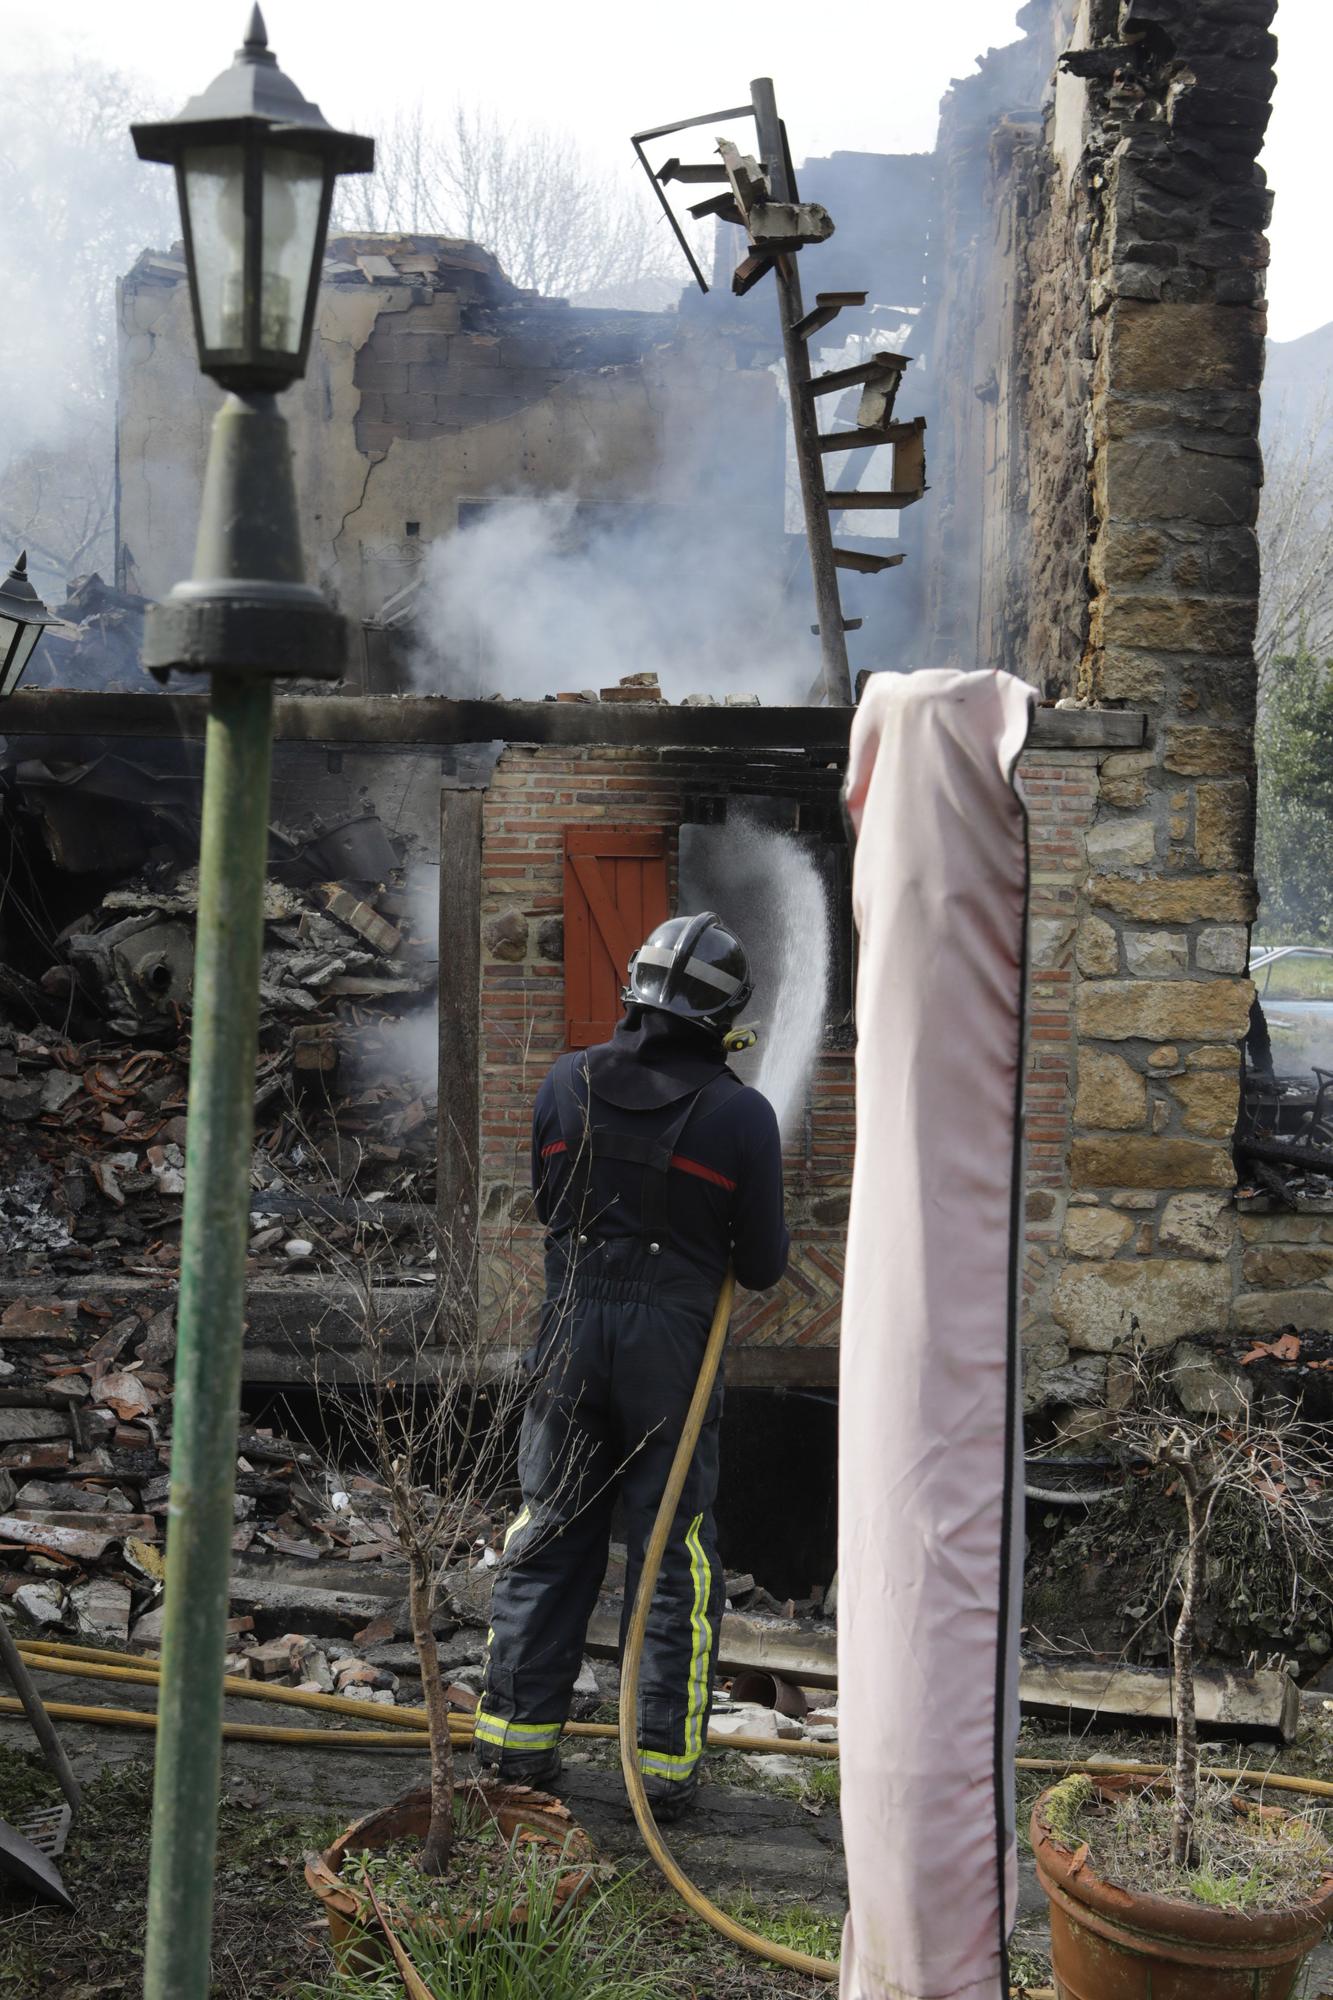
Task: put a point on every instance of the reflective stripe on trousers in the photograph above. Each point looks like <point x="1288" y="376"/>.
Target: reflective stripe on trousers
<point x="613" y="1375"/>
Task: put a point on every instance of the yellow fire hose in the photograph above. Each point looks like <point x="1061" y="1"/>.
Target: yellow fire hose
<point x="408" y="1725"/>
<point x="236" y="1732"/>
<point x="98" y="1663"/>
<point x="752" y="1941"/>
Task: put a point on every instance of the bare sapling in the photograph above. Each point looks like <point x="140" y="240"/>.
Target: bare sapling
<point x="1267" y="1463"/>
<point x="425" y="1377"/>
<point x="424" y="1381"/>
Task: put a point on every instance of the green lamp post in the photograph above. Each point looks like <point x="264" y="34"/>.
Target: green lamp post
<point x="255" y="166"/>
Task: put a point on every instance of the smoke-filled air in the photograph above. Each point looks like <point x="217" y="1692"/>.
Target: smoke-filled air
<point x="533" y="599"/>
<point x="686" y="577"/>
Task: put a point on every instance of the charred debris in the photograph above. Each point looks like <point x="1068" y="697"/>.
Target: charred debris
<point x="100" y="840"/>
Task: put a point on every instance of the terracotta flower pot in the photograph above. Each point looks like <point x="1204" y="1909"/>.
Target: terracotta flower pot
<point x="1115" y="1944"/>
<point x="533" y="1819"/>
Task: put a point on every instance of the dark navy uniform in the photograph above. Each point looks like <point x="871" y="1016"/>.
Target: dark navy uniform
<point x="654" y="1167"/>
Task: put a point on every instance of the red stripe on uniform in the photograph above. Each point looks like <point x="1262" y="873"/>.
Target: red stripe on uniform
<point x="695" y="1167"/>
<point x="703" y="1173"/>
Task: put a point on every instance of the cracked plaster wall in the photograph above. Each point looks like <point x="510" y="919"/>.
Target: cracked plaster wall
<point x="417" y="401"/>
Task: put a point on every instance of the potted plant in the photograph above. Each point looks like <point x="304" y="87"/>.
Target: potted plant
<point x="1173" y="1886"/>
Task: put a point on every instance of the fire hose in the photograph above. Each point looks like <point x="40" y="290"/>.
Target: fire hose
<point x="409" y="1733"/>
<point x="737" y="1933"/>
<point x="408" y="1724"/>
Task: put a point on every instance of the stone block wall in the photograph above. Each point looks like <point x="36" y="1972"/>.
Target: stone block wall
<point x="1286" y="1273"/>
<point x="1124" y="234"/>
<point x="1060" y="789"/>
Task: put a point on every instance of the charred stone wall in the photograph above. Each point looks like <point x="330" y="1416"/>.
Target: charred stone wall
<point x="1104" y="355"/>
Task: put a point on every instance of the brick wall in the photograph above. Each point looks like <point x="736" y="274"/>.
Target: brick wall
<point x="534" y="795"/>
<point x="1060" y="788"/>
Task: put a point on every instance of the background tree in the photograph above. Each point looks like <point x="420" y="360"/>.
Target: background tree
<point x="1295" y="536"/>
<point x="558" y="223"/>
<point x="1295" y="801"/>
<point x="78" y="209"/>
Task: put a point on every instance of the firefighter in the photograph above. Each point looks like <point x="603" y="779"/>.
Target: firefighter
<point x="654" y="1168"/>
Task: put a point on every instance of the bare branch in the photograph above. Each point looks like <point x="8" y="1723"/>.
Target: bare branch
<point x="557" y="223"/>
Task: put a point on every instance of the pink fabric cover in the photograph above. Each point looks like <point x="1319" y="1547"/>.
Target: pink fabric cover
<point x="929" y="1551"/>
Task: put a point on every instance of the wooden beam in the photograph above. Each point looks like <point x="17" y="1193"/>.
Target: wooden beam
<point x="1088" y="729"/>
<point x="413" y="722"/>
<point x="845" y="498"/>
<point x="1227" y="1699"/>
<point x="458" y="1130"/>
<point x="810" y="1659"/>
<point x="868" y="565"/>
<point x="861" y="439"/>
<point x="833" y="380"/>
<point x="763" y="1367"/>
<point x="429" y="721"/>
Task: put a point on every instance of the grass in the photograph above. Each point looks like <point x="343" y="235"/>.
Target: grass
<point x="629" y="1939"/>
<point x="531" y="1949"/>
<point x="268" y="1943"/>
<point x="1248" y="1860"/>
<point x="819" y="1784"/>
<point x="794" y="1925"/>
<point x="265" y="1914"/>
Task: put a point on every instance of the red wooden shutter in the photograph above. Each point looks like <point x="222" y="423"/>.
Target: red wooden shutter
<point x="615" y="893"/>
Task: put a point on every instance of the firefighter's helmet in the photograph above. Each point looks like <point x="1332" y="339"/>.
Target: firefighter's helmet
<point x="694" y="967"/>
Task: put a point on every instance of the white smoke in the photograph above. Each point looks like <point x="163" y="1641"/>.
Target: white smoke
<point x="78" y="207"/>
<point x="801" y="948"/>
<point x="534" y="599"/>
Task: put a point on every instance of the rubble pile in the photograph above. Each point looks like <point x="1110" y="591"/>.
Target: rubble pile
<point x="93" y="1130"/>
<point x="647" y="687"/>
<point x="96" y="642"/>
<point x="94" y="1065"/>
<point x="83" y="1478"/>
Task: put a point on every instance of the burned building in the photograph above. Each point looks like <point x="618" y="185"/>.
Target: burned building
<point x="435" y="388"/>
<point x="1085" y="268"/>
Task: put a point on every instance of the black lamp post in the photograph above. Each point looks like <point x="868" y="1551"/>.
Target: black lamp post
<point x="22" y="617"/>
<point x="255" y="166"/>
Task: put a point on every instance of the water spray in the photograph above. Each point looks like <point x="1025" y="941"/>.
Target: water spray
<point x="766" y="885"/>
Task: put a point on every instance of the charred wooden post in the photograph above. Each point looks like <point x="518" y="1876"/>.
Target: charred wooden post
<point x="457" y="1168"/>
<point x="836" y="672"/>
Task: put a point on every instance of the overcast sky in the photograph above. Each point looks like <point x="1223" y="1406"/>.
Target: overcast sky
<point x="865" y="77"/>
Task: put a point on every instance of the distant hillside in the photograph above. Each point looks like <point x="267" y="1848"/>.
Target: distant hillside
<point x="1298" y="383"/>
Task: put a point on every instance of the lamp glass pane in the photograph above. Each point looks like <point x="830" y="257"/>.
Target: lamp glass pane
<point x="293" y="186"/>
<point x="215" y="196"/>
<point x="16" y="643"/>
